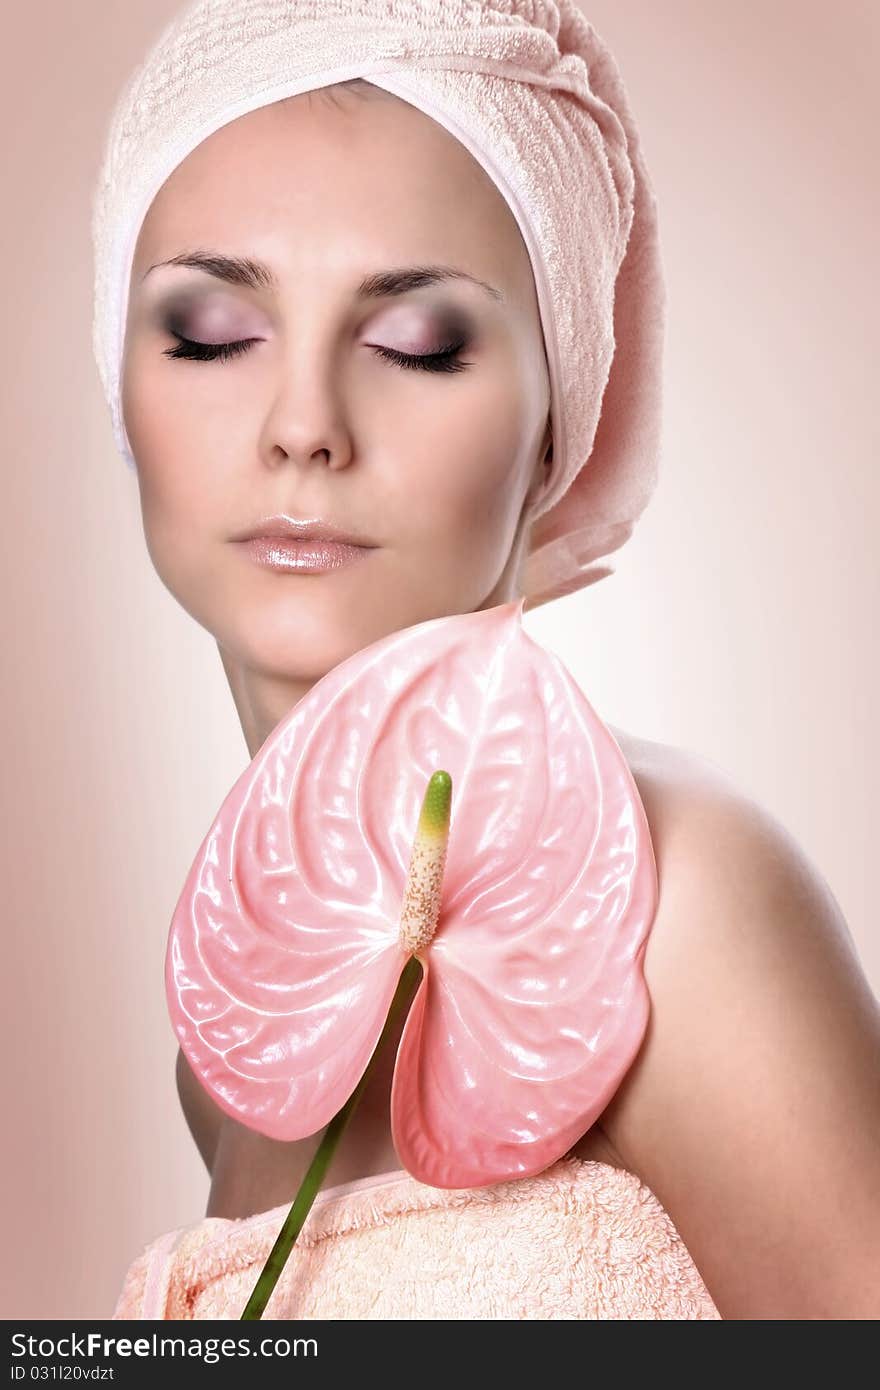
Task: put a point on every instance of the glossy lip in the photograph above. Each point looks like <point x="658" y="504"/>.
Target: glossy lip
<point x="292" y="556"/>
<point x="282" y="527"/>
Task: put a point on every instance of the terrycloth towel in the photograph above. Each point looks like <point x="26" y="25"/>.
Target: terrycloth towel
<point x="580" y="1240"/>
<point x="534" y="94"/>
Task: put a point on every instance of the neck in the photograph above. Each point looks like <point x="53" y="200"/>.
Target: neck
<point x="263" y="698"/>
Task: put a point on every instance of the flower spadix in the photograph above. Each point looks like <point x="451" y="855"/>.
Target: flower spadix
<point x="421" y="896"/>
<point x="524" y="882"/>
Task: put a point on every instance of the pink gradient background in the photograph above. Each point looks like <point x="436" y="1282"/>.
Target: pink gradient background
<point x="741" y="622"/>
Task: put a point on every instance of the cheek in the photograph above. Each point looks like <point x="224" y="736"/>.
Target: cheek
<point x="168" y="442"/>
<point x="465" y="469"/>
<point x="181" y="496"/>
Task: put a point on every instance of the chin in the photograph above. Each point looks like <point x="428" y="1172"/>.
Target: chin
<point x="300" y="639"/>
<point x="299" y="626"/>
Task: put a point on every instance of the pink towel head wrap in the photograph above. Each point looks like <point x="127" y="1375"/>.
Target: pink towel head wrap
<point x="533" y="93"/>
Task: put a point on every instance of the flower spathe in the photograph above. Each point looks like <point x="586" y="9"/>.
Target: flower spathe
<point x="289" y="938"/>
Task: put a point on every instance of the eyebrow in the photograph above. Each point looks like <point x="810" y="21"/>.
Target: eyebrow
<point x="253" y="275"/>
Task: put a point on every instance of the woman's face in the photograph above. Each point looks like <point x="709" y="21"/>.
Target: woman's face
<point x="311" y="420"/>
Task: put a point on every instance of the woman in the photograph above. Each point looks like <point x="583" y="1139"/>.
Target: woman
<point x="415" y="414"/>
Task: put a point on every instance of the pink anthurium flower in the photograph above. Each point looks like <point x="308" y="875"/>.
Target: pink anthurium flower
<point x="300" y="914"/>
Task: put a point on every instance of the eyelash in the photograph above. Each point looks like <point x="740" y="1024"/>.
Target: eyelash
<point x="446" y="359"/>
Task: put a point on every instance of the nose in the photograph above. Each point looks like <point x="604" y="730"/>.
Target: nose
<point x="307" y="420"/>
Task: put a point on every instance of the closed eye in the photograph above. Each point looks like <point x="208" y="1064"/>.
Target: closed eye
<point x="445" y="359"/>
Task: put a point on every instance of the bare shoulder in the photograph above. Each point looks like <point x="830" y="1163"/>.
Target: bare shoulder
<point x="752" y="1109"/>
<point x="665" y="773"/>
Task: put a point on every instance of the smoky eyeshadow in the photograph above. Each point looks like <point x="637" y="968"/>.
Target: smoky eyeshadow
<point x="170" y="314"/>
<point x="454" y="325"/>
<point x="174" y="321"/>
<point x="173" y="314"/>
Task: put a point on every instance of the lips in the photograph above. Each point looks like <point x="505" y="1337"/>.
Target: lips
<point x="289" y="546"/>
<point x="316" y="531"/>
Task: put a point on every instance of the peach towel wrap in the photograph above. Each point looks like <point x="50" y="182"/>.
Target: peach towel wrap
<point x="580" y="1240"/>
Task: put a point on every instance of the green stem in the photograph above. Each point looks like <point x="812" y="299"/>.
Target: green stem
<point x="407" y="985"/>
